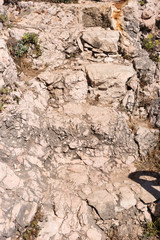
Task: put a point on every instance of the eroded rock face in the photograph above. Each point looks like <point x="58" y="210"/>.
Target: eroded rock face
<point x="8" y="72"/>
<point x="68" y="144"/>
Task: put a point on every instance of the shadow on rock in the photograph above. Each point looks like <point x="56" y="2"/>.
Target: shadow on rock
<point x="148" y="180"/>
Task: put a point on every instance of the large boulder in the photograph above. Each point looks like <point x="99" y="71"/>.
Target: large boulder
<point x="146" y="138"/>
<point x="105" y="40"/>
<point x="145" y="68"/>
<point x="109" y="79"/>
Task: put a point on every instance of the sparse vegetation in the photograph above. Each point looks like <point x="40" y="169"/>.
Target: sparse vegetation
<point x="3" y="18"/>
<point x="143" y="2"/>
<point x="31" y="232"/>
<point x="4" y="96"/>
<point x="152" y="229"/>
<point x="150" y="43"/>
<point x="113" y="234"/>
<point x="27" y="45"/>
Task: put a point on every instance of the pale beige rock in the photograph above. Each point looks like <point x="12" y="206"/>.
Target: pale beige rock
<point x="109" y="73"/>
<point x="16" y="210"/>
<point x="148" y="197"/>
<point x="73" y="108"/>
<point x="149" y="23"/>
<point x="147" y="138"/>
<point x="110" y="79"/>
<point x="76" y="83"/>
<point x="103" y="202"/>
<point x="11" y="180"/>
<point x="105" y="40"/>
<point x="147" y="13"/>
<point x="93" y="234"/>
<point x="50" y="228"/>
<point x="99" y="162"/>
<point x="78" y="178"/>
<point x="127" y="198"/>
<point x="74" y="236"/>
<point x="65" y="228"/>
<point x="66" y="138"/>
<point x="3" y="171"/>
<point x="16" y="33"/>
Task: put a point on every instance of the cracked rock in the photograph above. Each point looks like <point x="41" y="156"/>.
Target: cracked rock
<point x="103" y="202"/>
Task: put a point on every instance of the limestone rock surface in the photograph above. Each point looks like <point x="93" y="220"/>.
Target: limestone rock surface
<point x="74" y="120"/>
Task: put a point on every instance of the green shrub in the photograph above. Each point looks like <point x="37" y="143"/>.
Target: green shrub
<point x="142" y="2"/>
<point x="20" y="49"/>
<point x="3" y="18"/>
<point x="150" y="43"/>
<point x="152" y="229"/>
<point x="32" y="231"/>
<point x="28" y="42"/>
<point x="4" y="96"/>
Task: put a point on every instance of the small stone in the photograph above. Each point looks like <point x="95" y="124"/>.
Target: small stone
<point x="130" y="160"/>
<point x="73" y="145"/>
<point x="141" y="206"/>
<point x="147" y="216"/>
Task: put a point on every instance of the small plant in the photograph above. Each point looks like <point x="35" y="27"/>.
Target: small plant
<point x="9" y="25"/>
<point x="4" y="90"/>
<point x="3" y="18"/>
<point x="28" y="43"/>
<point x="143" y="2"/>
<point x="4" y="96"/>
<point x="20" y="49"/>
<point x="152" y="229"/>
<point x="32" y="231"/>
<point x="1" y="106"/>
<point x="113" y="234"/>
<point x="150" y="44"/>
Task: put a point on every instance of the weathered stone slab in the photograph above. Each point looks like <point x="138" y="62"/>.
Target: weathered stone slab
<point x="127" y="199"/>
<point x="109" y="78"/>
<point x="105" y="40"/>
<point x="103" y="202"/>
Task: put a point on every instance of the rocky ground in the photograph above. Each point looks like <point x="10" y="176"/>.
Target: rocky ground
<point x="78" y="120"/>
